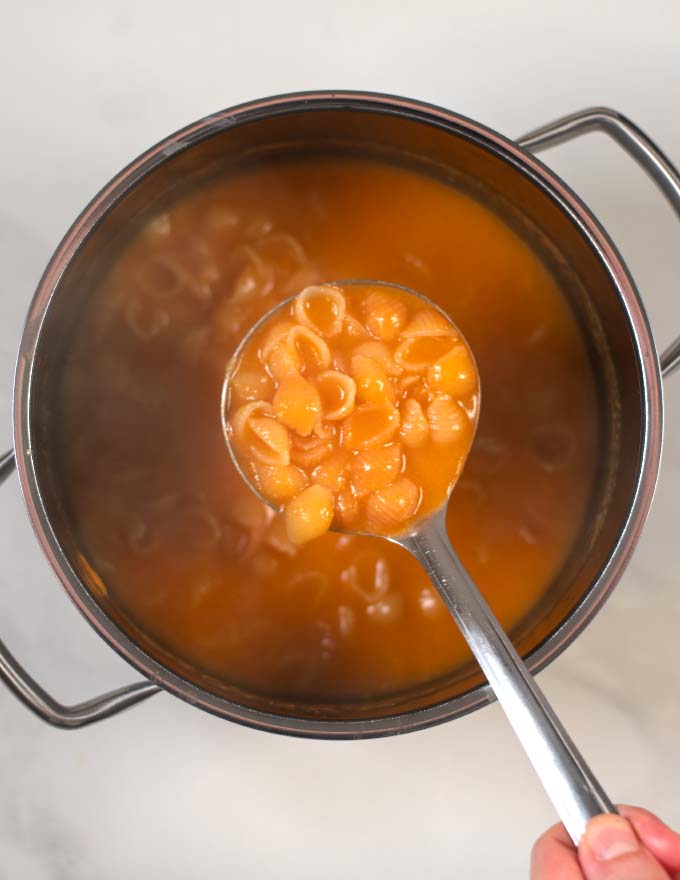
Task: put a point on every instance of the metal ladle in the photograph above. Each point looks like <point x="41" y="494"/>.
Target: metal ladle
<point x="570" y="784"/>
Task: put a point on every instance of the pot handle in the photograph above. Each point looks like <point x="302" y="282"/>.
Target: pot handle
<point x="39" y="701"/>
<point x="638" y="145"/>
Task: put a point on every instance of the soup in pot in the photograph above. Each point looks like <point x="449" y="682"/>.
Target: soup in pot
<point x="173" y="535"/>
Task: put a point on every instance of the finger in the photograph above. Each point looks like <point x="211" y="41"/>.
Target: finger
<point x="553" y="856"/>
<point x="660" y="840"/>
<point x="611" y="850"/>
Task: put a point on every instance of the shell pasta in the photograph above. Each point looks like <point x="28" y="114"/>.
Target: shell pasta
<point x="371" y="444"/>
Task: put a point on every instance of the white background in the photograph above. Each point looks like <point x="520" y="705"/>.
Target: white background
<point x="164" y="790"/>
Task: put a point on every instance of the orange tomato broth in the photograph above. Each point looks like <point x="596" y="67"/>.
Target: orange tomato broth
<point x="353" y="406"/>
<point x="180" y="543"/>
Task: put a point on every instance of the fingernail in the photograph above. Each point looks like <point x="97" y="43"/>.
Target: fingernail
<point x="610" y="837"/>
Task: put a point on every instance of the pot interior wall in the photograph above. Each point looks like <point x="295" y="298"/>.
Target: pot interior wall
<point x="450" y="153"/>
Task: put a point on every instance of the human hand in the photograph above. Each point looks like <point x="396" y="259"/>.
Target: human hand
<point x="633" y="846"/>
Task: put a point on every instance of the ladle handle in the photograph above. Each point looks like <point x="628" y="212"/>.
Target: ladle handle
<point x="639" y="146"/>
<point x="39" y="701"/>
<point x="567" y="779"/>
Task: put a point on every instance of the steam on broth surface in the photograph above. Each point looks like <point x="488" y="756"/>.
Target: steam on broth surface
<point x="179" y="542"/>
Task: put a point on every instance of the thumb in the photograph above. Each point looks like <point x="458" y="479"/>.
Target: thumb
<point x="611" y="850"/>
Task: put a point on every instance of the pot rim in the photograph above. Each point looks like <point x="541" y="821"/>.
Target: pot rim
<point x="525" y="163"/>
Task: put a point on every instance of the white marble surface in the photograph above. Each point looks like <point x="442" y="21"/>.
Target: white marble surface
<point x="164" y="790"/>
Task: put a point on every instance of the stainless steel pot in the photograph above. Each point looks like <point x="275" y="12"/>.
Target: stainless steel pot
<point x="529" y="195"/>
